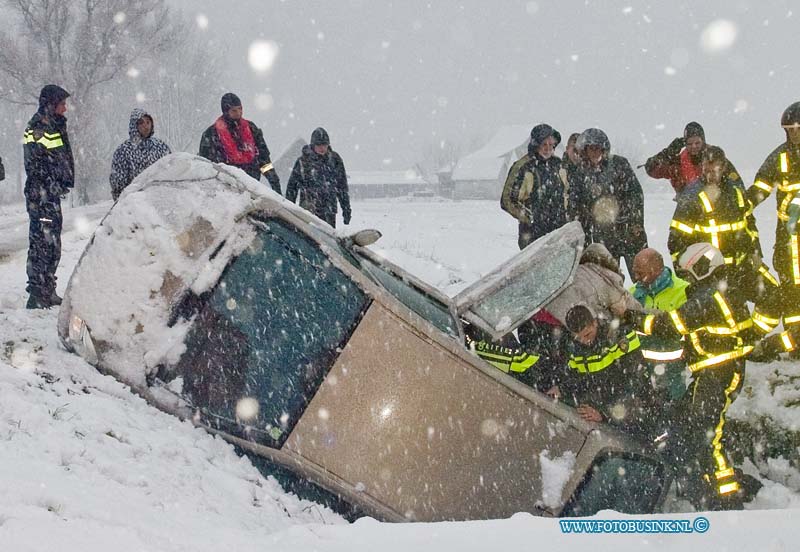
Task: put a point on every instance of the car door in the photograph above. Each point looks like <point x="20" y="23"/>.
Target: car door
<point x="513" y="292"/>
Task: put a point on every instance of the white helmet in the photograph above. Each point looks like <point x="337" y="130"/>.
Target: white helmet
<point x="700" y="260"/>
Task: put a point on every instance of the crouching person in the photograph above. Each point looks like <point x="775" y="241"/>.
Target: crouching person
<point x="711" y="323"/>
<point x="608" y="380"/>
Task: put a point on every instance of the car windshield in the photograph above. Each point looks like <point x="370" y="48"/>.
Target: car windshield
<point x="268" y="334"/>
<point x="509" y="295"/>
<point x="629" y="483"/>
<point x="429" y="308"/>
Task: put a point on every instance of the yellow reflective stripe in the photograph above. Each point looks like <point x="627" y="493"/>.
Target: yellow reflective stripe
<point x="727" y="227"/>
<point x="676" y="320"/>
<point x="764" y="271"/>
<point x="787" y="341"/>
<point x="784" y="162"/>
<point x="719" y="456"/>
<point x="714" y="235"/>
<point x="766" y="328"/>
<point x="266" y="168"/>
<point x="728" y="488"/>
<point x="760" y="184"/>
<point x="596" y="363"/>
<point x="696" y="344"/>
<point x="789" y="187"/>
<point x="791" y="319"/>
<point x="739" y="197"/>
<point x="51" y="141"/>
<point x="795" y="260"/>
<point x="720" y="330"/>
<point x="722" y="474"/>
<point x="719" y="359"/>
<point x="764" y="319"/>
<point x="663" y="356"/>
<point x="649" y="320"/>
<point x="685" y="228"/>
<point x="726" y="310"/>
<point x="706" y="202"/>
<point x="523" y="362"/>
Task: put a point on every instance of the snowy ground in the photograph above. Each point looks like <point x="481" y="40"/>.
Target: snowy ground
<point x="86" y="466"/>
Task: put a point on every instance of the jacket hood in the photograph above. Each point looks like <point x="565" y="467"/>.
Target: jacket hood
<point x="137" y="114"/>
<point x="539" y="134"/>
<point x="49" y="97"/>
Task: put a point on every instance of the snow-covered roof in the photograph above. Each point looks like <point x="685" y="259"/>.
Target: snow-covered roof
<point x="174" y="228"/>
<point x="368" y="178"/>
<point x="487" y="162"/>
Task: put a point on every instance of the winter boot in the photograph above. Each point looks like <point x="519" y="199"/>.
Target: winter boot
<point x="54" y="299"/>
<point x="37" y="302"/>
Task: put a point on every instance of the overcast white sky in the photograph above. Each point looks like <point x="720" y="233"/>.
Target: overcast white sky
<point x="387" y="78"/>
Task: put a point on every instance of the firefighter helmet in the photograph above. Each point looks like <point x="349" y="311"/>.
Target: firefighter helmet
<point x="791" y="116"/>
<point x="699" y="261"/>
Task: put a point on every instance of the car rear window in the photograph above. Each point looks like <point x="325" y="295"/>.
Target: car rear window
<point x="268" y="334"/>
<point x="424" y="305"/>
<point x="627" y="483"/>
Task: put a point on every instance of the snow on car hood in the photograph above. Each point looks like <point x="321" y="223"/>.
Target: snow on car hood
<point x="175" y="227"/>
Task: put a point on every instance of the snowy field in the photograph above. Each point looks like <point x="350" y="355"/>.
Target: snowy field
<point x="86" y="466"/>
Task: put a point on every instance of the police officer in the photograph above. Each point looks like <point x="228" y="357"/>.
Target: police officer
<point x="780" y="172"/>
<point x="50" y="170"/>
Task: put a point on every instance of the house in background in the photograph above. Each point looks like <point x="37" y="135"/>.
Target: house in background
<point x="482" y="173"/>
<point x="380" y="184"/>
<point x="284" y="163"/>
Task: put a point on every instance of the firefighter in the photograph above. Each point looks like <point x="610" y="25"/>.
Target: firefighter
<point x="657" y="288"/>
<point x="715" y="352"/>
<point x="780" y="172"/>
<point x="716" y="210"/>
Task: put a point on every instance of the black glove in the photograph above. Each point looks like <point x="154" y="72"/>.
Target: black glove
<point x="346" y="216"/>
<point x="674" y="148"/>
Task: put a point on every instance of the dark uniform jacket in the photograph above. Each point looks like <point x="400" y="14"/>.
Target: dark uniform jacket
<point x="48" y="158"/>
<point x="609" y="203"/>
<point x="319" y="181"/>
<point x="711" y="325"/>
<point x="780" y="172"/>
<point x="725" y="221"/>
<point x="535" y="194"/>
<point x="610" y="375"/>
<point x="211" y="148"/>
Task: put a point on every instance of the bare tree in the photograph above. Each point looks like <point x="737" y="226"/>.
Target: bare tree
<point x="81" y="45"/>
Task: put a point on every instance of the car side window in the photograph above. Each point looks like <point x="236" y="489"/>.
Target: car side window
<point x="268" y="334"/>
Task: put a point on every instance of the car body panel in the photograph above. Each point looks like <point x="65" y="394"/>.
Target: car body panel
<point x="404" y="421"/>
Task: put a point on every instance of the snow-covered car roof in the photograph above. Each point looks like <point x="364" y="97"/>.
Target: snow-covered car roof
<point x="177" y="228"/>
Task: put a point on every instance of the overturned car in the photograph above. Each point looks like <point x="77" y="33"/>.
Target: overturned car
<point x="222" y="303"/>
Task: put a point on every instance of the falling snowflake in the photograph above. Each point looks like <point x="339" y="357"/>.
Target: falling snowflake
<point x="262" y="55"/>
<point x="718" y="36"/>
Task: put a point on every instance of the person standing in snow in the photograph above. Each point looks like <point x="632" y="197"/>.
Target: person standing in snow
<point x="235" y="141"/>
<point x="51" y="175"/>
<point x="607" y="199"/>
<point x="534" y="192"/>
<point x="136" y="153"/>
<point x="319" y="178"/>
<point x="681" y="160"/>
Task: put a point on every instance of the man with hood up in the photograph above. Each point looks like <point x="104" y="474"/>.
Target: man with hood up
<point x="136" y="153"/>
<point x="236" y="141"/>
<point x="51" y="175"/>
<point x="606" y="198"/>
<point x="681" y="160"/>
<point x="534" y="192"/>
<point x="319" y="178"/>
